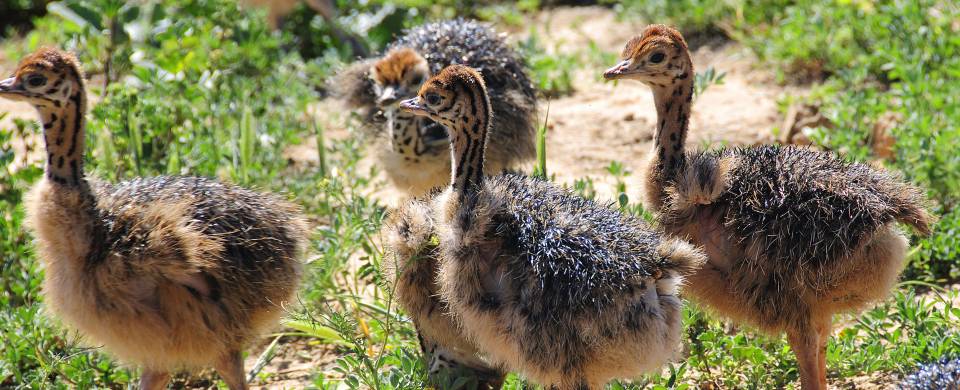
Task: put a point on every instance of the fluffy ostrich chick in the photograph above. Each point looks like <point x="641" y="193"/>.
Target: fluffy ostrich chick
<point x="793" y="235"/>
<point x="565" y="291"/>
<point x="167" y="273"/>
<point x="412" y="264"/>
<point x="413" y="153"/>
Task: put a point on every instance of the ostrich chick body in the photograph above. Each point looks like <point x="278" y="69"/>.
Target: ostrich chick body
<point x="168" y="273"/>
<point x="414" y="156"/>
<point x="413" y="266"/>
<point x="569" y="293"/>
<point x="793" y="235"/>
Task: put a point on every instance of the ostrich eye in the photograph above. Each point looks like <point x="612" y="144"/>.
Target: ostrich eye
<point x="36" y="80"/>
<point x="657" y="58"/>
<point x="433" y="99"/>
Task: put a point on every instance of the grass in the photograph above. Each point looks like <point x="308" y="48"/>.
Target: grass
<point x="199" y="96"/>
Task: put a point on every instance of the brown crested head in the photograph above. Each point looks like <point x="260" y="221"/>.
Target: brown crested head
<point x="447" y="97"/>
<point x="656" y="35"/>
<point x="47" y="75"/>
<point x="657" y="56"/>
<point x="398" y="75"/>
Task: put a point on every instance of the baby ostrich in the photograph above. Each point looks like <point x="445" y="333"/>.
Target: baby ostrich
<point x="168" y="273"/>
<point x="793" y="235"/>
<point x="412" y="266"/>
<point x="570" y="293"/>
<point x="415" y="159"/>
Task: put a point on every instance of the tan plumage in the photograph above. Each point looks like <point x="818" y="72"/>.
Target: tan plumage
<point x="793" y="235"/>
<point x="412" y="266"/>
<point x="569" y="293"/>
<point x="167" y="273"/>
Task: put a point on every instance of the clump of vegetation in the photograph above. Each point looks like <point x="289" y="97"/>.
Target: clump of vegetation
<point x="550" y="72"/>
<point x="18" y="15"/>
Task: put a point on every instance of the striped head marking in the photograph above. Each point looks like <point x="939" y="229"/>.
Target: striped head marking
<point x="454" y="96"/>
<point x="46" y="77"/>
<point x="658" y="56"/>
<point x="398" y="75"/>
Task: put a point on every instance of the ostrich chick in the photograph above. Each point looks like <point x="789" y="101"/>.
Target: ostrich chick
<point x="168" y="273"/>
<point x="570" y="293"/>
<point x="415" y="156"/>
<point x="793" y="235"/>
<point x="412" y="266"/>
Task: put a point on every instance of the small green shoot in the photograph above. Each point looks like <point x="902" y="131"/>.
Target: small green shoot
<point x="540" y="170"/>
<point x="703" y="80"/>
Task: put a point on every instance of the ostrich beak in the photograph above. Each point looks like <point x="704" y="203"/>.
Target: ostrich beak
<point x="618" y="70"/>
<point x="387" y="97"/>
<point x="10" y="86"/>
<point x="413" y="106"/>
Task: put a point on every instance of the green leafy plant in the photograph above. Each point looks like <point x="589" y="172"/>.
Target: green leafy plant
<point x="551" y="73"/>
<point x="703" y="80"/>
<point x="110" y="18"/>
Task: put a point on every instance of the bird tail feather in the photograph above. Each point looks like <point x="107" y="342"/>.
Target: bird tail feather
<point x="681" y="256"/>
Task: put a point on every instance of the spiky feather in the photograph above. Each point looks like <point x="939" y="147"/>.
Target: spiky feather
<point x="575" y="278"/>
<point x="575" y="254"/>
<point x="943" y="374"/>
<point x="805" y="207"/>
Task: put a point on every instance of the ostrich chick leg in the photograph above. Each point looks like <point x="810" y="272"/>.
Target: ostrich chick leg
<point x="154" y="380"/>
<point x="230" y="368"/>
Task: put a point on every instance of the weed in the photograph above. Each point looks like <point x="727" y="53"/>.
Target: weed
<point x="540" y="169"/>
<point x="551" y="73"/>
<point x="705" y="79"/>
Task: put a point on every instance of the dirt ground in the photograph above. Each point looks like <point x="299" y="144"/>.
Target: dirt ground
<point x="597" y="124"/>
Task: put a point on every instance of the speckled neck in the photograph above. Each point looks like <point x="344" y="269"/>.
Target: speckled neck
<point x="468" y="140"/>
<point x="673" y="103"/>
<point x="63" y="134"/>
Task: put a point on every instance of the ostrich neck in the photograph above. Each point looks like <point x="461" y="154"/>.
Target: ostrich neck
<point x="467" y="146"/>
<point x="673" y="113"/>
<point x="63" y="134"/>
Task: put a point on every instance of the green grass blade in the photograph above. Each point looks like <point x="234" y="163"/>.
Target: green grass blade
<point x="321" y="147"/>
<point x="540" y="170"/>
<point x="319" y="331"/>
